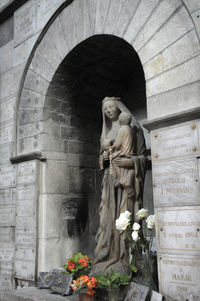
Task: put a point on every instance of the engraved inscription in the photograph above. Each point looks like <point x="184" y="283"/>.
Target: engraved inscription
<point x="26" y="173"/>
<point x="176" y="141"/>
<point x="176" y="182"/>
<point x="25" y="222"/>
<point x="6" y="134"/>
<point x="7" y="177"/>
<point x="5" y="283"/>
<point x="7" y="110"/>
<point x="6" y="252"/>
<point x="24" y="22"/>
<point x="6" y="234"/>
<point x="25" y="236"/>
<point x="178" y="229"/>
<point x="26" y="192"/>
<point x="5" y="152"/>
<point x="179" y="276"/>
<point x="7" y="216"/>
<point x="8" y="196"/>
<point x="25" y="262"/>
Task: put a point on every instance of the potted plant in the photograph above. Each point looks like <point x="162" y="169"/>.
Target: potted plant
<point x="109" y="284"/>
<point x="85" y="287"/>
<point x="78" y="265"/>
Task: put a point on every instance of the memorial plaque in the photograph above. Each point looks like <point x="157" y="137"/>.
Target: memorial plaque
<point x="5" y="152"/>
<point x="7" y="216"/>
<point x="6" y="268"/>
<point x="26" y="237"/>
<point x="7" y="109"/>
<point x="6" y="234"/>
<point x="45" y="10"/>
<point x="179" y="276"/>
<point x="6" y="283"/>
<point x="27" y="172"/>
<point x="7" y="177"/>
<point x="176" y="183"/>
<point x="8" y="196"/>
<point x="25" y="263"/>
<point x="6" y="252"/>
<point x="6" y="134"/>
<point x="176" y="141"/>
<point x="24" y="22"/>
<point x="26" y="193"/>
<point x="25" y="208"/>
<point x="178" y="230"/>
<point x="25" y="222"/>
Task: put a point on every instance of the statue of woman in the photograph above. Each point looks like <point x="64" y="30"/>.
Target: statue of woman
<point x="117" y="195"/>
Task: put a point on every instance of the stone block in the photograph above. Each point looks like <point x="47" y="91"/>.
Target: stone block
<point x="35" y="83"/>
<point x="179" y="276"/>
<point x="23" y="50"/>
<point x="190" y="73"/>
<point x="6" y="252"/>
<point x="178" y="230"/>
<point x="187" y="47"/>
<point x="192" y="5"/>
<point x="174" y="101"/>
<point x="30" y="144"/>
<point x="167" y="35"/>
<point x="6" y="236"/>
<point x="30" y="129"/>
<point x="41" y="66"/>
<point x="5" y="151"/>
<point x="32" y="99"/>
<point x="7" y="110"/>
<point x="137" y="292"/>
<point x="25" y="236"/>
<point x="25" y="222"/>
<point x="60" y="183"/>
<point x="6" y="268"/>
<point x="155" y="296"/>
<point x="7" y="176"/>
<point x="7" y="216"/>
<point x="6" y="31"/>
<point x="196" y="20"/>
<point x="24" y="264"/>
<point x="8" y="196"/>
<point x="52" y="143"/>
<point x="81" y="180"/>
<point x="6" y="284"/>
<point x="112" y="15"/>
<point x="175" y="142"/>
<point x="6" y="57"/>
<point x="6" y="134"/>
<point x="162" y="12"/>
<point x="28" y="115"/>
<point x="80" y="19"/>
<point x="176" y="183"/>
<point x="24" y="22"/>
<point x="27" y="172"/>
<point x="26" y="208"/>
<point x="101" y="14"/>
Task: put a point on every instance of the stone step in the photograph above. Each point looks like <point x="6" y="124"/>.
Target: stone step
<point x="34" y="294"/>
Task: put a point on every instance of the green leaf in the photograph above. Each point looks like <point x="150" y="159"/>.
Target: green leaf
<point x="125" y="279"/>
<point x="133" y="268"/>
<point x="77" y="256"/>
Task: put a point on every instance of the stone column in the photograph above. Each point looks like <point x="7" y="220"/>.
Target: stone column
<point x="175" y="165"/>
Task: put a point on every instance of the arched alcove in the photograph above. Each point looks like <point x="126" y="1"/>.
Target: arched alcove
<point x="100" y="66"/>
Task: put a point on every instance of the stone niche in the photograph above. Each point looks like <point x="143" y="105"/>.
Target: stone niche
<point x="175" y="161"/>
<point x="100" y="66"/>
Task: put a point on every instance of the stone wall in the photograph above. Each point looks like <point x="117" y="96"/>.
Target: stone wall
<point x="165" y="35"/>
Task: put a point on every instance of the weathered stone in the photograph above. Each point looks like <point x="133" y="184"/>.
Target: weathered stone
<point x="137" y="292"/>
<point x="178" y="230"/>
<point x="6" y="57"/>
<point x="6" y="235"/>
<point x="7" y="109"/>
<point x="101" y="14"/>
<point x="28" y="115"/>
<point x="6" y="31"/>
<point x="7" y="176"/>
<point x="112" y="15"/>
<point x="8" y="196"/>
<point x="179" y="276"/>
<point x="175" y="142"/>
<point x="5" y="151"/>
<point x="30" y="144"/>
<point x="52" y="143"/>
<point x="25" y="222"/>
<point x="176" y="183"/>
<point x="6" y="268"/>
<point x="30" y="129"/>
<point x="190" y="73"/>
<point x="192" y="5"/>
<point x="6" y="252"/>
<point x="155" y="296"/>
<point x="24" y="263"/>
<point x="26" y="208"/>
<point x="81" y="180"/>
<point x="25" y="236"/>
<point x="80" y="19"/>
<point x="6" y="284"/>
<point x="27" y="172"/>
<point x="187" y="47"/>
<point x="24" y="22"/>
<point x="167" y="35"/>
<point x="32" y="99"/>
<point x="160" y="15"/>
<point x="7" y="216"/>
<point x="6" y="134"/>
<point x="59" y="168"/>
<point x="196" y="17"/>
<point x="35" y="83"/>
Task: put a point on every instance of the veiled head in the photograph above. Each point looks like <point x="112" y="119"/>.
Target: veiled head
<point x="110" y="108"/>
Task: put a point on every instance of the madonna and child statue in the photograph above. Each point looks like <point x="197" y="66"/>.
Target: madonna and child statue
<point x="123" y="161"/>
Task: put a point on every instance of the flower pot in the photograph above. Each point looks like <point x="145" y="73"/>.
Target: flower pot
<point x="86" y="297"/>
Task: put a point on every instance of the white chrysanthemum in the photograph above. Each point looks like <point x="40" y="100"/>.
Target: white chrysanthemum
<point x="136" y="227"/>
<point x="123" y="221"/>
<point x="135" y="235"/>
<point x="142" y="213"/>
<point x="151" y="222"/>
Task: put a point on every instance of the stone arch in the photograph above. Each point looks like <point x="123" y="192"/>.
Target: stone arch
<point x="156" y="29"/>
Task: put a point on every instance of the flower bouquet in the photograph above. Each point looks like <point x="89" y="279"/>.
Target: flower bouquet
<point x="139" y="236"/>
<point x="84" y="286"/>
<point x="78" y="265"/>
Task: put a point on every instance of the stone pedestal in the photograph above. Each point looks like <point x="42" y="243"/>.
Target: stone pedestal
<point x="175" y="162"/>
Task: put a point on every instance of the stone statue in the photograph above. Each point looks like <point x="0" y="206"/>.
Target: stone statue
<point x="122" y="157"/>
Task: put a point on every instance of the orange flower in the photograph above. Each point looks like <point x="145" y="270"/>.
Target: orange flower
<point x="84" y="278"/>
<point x="73" y="286"/>
<point x="90" y="292"/>
<point x="88" y="258"/>
<point x="71" y="265"/>
<point x="93" y="281"/>
<point x="83" y="262"/>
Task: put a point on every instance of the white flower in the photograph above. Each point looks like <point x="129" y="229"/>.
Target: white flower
<point x="151" y="222"/>
<point x="135" y="235"/>
<point x="136" y="227"/>
<point x="142" y="213"/>
<point x="123" y="221"/>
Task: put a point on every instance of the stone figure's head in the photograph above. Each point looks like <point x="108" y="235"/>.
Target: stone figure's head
<point x="124" y="118"/>
<point x="110" y="107"/>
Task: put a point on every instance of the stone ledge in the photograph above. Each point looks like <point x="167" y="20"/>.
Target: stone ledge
<point x="34" y="294"/>
<point x="9" y="8"/>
